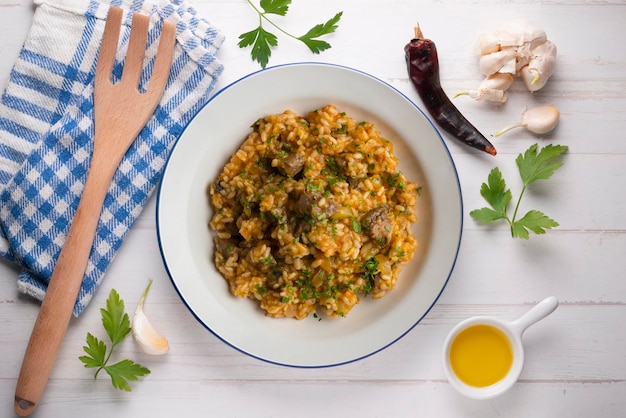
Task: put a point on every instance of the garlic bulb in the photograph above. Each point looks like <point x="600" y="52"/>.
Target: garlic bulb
<point x="148" y="339"/>
<point x="539" y="120"/>
<point x="519" y="49"/>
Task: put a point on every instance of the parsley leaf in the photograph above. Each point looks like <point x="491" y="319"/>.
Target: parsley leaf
<point x="496" y="193"/>
<point x="533" y="166"/>
<point x="96" y="351"/>
<point x="262" y="40"/>
<point x="114" y="320"/>
<point x="124" y="371"/>
<point x="535" y="221"/>
<point x="315" y="45"/>
<point x="277" y="7"/>
<point x="486" y="215"/>
<point x="117" y="326"/>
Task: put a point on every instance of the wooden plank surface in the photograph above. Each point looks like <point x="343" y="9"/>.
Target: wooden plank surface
<point x="575" y="359"/>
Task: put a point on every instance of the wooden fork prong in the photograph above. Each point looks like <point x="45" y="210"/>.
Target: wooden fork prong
<point x="108" y="48"/>
<point x="136" y="51"/>
<point x="162" y="61"/>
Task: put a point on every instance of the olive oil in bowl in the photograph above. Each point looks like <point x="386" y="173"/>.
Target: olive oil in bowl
<point x="484" y="356"/>
<point x="481" y="355"/>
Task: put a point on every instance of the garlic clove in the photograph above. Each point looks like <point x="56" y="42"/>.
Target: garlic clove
<point x="539" y="37"/>
<point x="498" y="81"/>
<point x="520" y="63"/>
<point x="539" y="120"/>
<point x="540" y="67"/>
<point x="487" y="44"/>
<point x="491" y="95"/>
<point x="492" y="88"/>
<point x="148" y="339"/>
<point x="494" y="62"/>
<point x="509" y="66"/>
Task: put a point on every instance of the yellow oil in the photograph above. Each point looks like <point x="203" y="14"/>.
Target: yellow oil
<point x="481" y="355"/>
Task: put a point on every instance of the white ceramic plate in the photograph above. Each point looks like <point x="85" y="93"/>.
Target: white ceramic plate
<point x="206" y="145"/>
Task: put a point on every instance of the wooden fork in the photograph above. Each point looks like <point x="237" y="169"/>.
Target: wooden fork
<point x="120" y="112"/>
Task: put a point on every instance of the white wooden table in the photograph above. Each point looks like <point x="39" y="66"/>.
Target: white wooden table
<point x="575" y="359"/>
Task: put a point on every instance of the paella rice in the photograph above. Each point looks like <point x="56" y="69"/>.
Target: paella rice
<point x="311" y="213"/>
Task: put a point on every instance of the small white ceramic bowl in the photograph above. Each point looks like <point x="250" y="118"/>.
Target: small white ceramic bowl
<point x="513" y="332"/>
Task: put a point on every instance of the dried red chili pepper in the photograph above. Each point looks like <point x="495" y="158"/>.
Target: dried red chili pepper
<point x="423" y="67"/>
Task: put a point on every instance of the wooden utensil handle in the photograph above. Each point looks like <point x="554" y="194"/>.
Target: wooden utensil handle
<point x="58" y="303"/>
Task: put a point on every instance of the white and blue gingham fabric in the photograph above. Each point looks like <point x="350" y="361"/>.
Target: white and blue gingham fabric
<point x="46" y="131"/>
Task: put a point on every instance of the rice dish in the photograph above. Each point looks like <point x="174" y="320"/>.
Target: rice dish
<point x="311" y="214"/>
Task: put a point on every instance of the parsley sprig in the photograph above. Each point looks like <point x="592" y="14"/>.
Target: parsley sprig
<point x="117" y="325"/>
<point x="262" y="40"/>
<point x="532" y="166"/>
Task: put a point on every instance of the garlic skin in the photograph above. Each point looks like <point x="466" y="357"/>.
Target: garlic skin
<point x="520" y="32"/>
<point x="540" y="67"/>
<point x="516" y="33"/>
<point x="539" y="120"/>
<point x="148" y="339"/>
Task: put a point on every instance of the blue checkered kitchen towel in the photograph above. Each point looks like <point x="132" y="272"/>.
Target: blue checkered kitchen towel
<point x="46" y="131"/>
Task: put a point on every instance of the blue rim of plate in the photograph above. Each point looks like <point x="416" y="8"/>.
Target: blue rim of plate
<point x="226" y="89"/>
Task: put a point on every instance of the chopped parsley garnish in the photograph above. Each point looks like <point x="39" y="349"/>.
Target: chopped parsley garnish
<point x="356" y="225"/>
<point x="260" y="289"/>
<point x="395" y="180"/>
<point x="370" y="270"/>
<point x="267" y="261"/>
<point x="343" y="130"/>
<point x="314" y="187"/>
